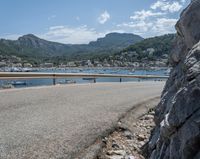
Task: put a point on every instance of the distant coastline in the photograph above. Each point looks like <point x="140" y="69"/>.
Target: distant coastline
<point x="36" y="69"/>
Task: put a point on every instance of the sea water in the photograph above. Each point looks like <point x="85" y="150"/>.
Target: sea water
<point x="46" y="82"/>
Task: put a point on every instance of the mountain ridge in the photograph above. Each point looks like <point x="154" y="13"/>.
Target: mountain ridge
<point x="30" y="45"/>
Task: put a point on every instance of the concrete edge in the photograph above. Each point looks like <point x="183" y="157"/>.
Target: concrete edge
<point x="74" y="85"/>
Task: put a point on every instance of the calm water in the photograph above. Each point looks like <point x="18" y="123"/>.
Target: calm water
<point x="44" y="82"/>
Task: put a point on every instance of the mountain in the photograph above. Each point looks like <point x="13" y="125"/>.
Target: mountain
<point x="150" y="49"/>
<point x="31" y="47"/>
<point x="116" y="41"/>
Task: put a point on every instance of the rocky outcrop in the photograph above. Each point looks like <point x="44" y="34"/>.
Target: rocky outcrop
<point x="177" y="132"/>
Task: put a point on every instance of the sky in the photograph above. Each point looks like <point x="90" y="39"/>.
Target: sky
<point x="82" y="21"/>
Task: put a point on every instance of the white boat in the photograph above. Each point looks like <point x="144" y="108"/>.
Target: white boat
<point x="15" y="69"/>
<point x="18" y="83"/>
<point x="88" y="78"/>
<point x="26" y="69"/>
<point x="70" y="81"/>
<point x="7" y="86"/>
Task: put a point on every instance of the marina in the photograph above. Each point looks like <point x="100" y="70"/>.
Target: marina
<point x="31" y="82"/>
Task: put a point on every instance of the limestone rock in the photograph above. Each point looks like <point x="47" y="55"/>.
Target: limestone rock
<point x="177" y="116"/>
<point x="141" y="137"/>
<point x="128" y="134"/>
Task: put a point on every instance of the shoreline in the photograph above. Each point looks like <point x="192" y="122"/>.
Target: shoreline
<point x="74" y="85"/>
<point x="112" y="68"/>
<point x="35" y="69"/>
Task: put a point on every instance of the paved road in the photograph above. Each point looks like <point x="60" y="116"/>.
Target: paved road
<point x="56" y="122"/>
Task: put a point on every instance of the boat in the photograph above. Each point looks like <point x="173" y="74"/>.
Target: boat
<point x="66" y="82"/>
<point x="133" y="70"/>
<point x="26" y="69"/>
<point x="15" y="69"/>
<point x="70" y="81"/>
<point x="88" y="78"/>
<point x="7" y="86"/>
<point x="18" y="83"/>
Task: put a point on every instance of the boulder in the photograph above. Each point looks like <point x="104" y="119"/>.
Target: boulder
<point x="177" y="116"/>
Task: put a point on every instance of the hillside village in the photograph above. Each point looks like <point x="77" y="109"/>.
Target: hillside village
<point x="14" y="61"/>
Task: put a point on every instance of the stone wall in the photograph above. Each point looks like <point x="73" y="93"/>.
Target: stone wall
<point x="177" y="132"/>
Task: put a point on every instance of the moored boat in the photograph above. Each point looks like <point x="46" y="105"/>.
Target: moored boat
<point x="18" y="83"/>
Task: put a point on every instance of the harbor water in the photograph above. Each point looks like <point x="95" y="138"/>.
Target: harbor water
<point x="46" y="82"/>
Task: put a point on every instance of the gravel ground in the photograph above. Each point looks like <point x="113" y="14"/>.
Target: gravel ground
<point x="129" y="142"/>
<point x="60" y="121"/>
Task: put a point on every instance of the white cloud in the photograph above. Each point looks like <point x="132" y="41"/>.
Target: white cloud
<point x="10" y="36"/>
<point x="143" y="14"/>
<point x="183" y="1"/>
<point x="152" y="27"/>
<point x="156" y="20"/>
<point x="164" y="25"/>
<point x="74" y="35"/>
<point x="77" y="35"/>
<point x="51" y="17"/>
<point x="167" y="6"/>
<point x="139" y="27"/>
<point x="104" y="17"/>
<point x="152" y="22"/>
<point x="67" y="35"/>
<point x="56" y="27"/>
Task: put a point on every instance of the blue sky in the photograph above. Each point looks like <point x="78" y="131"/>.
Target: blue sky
<point x="81" y="21"/>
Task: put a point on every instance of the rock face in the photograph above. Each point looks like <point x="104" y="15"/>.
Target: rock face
<point x="177" y="132"/>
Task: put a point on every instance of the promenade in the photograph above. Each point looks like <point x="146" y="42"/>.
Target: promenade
<point x="59" y="121"/>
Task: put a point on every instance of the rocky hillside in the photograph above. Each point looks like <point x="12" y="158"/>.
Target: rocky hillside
<point x="34" y="47"/>
<point x="149" y="49"/>
<point x="177" y="132"/>
<point x="116" y="41"/>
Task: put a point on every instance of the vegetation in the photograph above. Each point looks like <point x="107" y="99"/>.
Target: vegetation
<point x="36" y="50"/>
<point x="151" y="48"/>
<point x="114" y="50"/>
